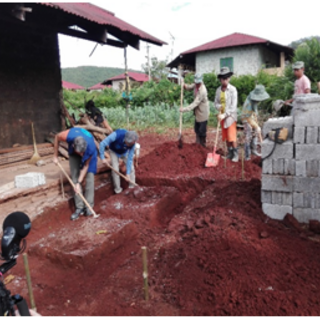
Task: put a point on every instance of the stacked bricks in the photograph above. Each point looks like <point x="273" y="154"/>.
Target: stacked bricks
<point x="291" y="175"/>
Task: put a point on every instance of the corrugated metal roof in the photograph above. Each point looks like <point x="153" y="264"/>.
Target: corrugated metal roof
<point x="71" y="86"/>
<point x="140" y="77"/>
<point x="232" y="40"/>
<point x="101" y="16"/>
<point x="98" y="86"/>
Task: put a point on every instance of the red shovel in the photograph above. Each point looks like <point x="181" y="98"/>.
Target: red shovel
<point x="213" y="158"/>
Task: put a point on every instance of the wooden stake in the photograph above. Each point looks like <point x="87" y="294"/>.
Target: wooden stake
<point x="26" y="267"/>
<point x="145" y="273"/>
<point x="62" y="188"/>
<point x="225" y="154"/>
<point x="242" y="163"/>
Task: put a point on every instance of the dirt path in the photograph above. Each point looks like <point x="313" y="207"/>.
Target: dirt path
<point x="211" y="250"/>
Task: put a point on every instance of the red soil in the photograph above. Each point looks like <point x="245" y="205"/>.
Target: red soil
<point x="217" y="254"/>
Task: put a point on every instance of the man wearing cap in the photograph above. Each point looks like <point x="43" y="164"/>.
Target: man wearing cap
<point x="249" y="117"/>
<point x="302" y="85"/>
<point x="200" y="105"/>
<point x="83" y="164"/>
<point x="121" y="144"/>
<point x="226" y="100"/>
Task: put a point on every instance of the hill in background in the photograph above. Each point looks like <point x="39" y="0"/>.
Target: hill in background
<point x="88" y="76"/>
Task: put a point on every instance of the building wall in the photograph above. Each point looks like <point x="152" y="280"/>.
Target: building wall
<point x="30" y="83"/>
<point x="116" y="85"/>
<point x="246" y="59"/>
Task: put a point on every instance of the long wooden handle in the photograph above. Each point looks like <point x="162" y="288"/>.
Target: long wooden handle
<point x="80" y="194"/>
<point x="34" y="138"/>
<point x="217" y="136"/>
<point x="121" y="175"/>
<point x="181" y="106"/>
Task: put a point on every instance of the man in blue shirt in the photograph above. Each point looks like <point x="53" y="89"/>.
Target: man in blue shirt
<point x="83" y="163"/>
<point x="121" y="144"/>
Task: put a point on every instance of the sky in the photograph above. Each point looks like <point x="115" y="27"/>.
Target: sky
<point x="193" y="23"/>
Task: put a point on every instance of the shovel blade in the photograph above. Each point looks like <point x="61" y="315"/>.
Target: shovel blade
<point x="212" y="160"/>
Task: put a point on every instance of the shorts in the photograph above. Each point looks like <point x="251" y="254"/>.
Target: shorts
<point x="229" y="134"/>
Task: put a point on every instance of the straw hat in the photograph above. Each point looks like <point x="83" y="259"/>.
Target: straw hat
<point x="259" y="93"/>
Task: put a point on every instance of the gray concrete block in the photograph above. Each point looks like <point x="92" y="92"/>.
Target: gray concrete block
<point x="304" y="215"/>
<point x="29" y="180"/>
<point x="313" y="168"/>
<point x="298" y="200"/>
<point x="305" y="102"/>
<point x="299" y="134"/>
<point x="282" y="151"/>
<point x="278" y="166"/>
<point x="309" y="118"/>
<point x="308" y="151"/>
<point x="289" y="167"/>
<point x="274" y="123"/>
<point x="282" y="198"/>
<point x="301" y="168"/>
<point x="275" y="211"/>
<point x="267" y="166"/>
<point x="309" y="200"/>
<point x="277" y="183"/>
<point x="277" y="198"/>
<point x="312" y="135"/>
<point x="287" y="199"/>
<point x="266" y="196"/>
<point x="305" y="185"/>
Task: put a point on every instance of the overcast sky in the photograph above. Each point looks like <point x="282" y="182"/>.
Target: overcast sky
<point x="193" y="23"/>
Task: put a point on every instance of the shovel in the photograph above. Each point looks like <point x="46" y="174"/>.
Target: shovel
<point x="213" y="158"/>
<point x="36" y="157"/>
<point x="80" y="194"/>
<point x="121" y="175"/>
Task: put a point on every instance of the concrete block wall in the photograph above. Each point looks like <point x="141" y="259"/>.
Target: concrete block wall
<point x="291" y="176"/>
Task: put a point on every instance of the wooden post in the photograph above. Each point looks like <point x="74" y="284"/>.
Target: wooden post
<point x="26" y="267"/>
<point x="145" y="273"/>
<point x="242" y="163"/>
<point x="225" y="153"/>
<point x="127" y="85"/>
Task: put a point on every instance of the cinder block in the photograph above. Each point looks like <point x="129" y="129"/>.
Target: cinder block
<point x="305" y="185"/>
<point x="305" y="102"/>
<point x="281" y="151"/>
<point x="298" y="200"/>
<point x="301" y="168"/>
<point x="267" y="166"/>
<point x="309" y="200"/>
<point x="266" y="196"/>
<point x="308" y="117"/>
<point x="278" y="166"/>
<point x="287" y="199"/>
<point x="312" y="135"/>
<point x="29" y="180"/>
<point x="275" y="211"/>
<point x="277" y="198"/>
<point x="289" y="167"/>
<point x="304" y="215"/>
<point x="274" y="123"/>
<point x="277" y="183"/>
<point x="313" y="168"/>
<point x="299" y="134"/>
<point x="308" y="151"/>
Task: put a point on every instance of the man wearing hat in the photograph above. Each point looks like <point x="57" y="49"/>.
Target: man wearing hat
<point x="121" y="144"/>
<point x="302" y="85"/>
<point x="226" y="102"/>
<point x="200" y="106"/>
<point x="249" y="119"/>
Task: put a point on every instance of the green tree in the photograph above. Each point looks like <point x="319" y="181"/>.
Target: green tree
<point x="158" y="69"/>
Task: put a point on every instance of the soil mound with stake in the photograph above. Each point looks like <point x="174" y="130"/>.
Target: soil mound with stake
<point x="211" y="250"/>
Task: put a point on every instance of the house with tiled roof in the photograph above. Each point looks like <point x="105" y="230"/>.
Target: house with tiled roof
<point x="71" y="86"/>
<point x="118" y="82"/>
<point x="242" y="53"/>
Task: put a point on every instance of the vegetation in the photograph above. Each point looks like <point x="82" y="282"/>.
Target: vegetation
<point x="158" y="68"/>
<point x="88" y="76"/>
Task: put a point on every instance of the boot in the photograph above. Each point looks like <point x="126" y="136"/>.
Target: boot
<point x="203" y="141"/>
<point x="88" y="212"/>
<point x="254" y="145"/>
<point x="235" y="155"/>
<point x="197" y="139"/>
<point x="229" y="154"/>
<point x="247" y="151"/>
<point x="76" y="214"/>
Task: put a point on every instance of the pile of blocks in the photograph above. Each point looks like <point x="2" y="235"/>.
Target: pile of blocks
<point x="29" y="180"/>
<point x="291" y="175"/>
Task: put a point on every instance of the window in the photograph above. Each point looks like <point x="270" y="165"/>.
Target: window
<point x="226" y="62"/>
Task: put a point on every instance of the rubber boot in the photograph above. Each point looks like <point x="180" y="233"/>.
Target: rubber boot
<point x="247" y="151"/>
<point x="229" y="154"/>
<point x="254" y="145"/>
<point x="77" y="214"/>
<point x="203" y="141"/>
<point x="197" y="139"/>
<point x="235" y="155"/>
